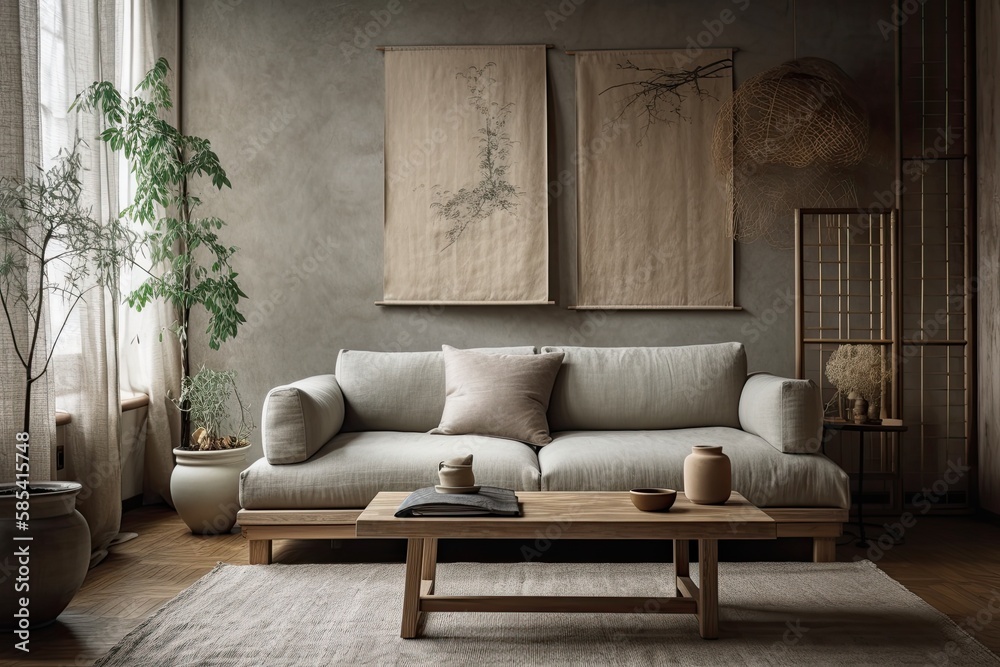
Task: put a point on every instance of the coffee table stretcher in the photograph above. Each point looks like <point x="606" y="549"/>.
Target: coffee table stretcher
<point x="700" y="599"/>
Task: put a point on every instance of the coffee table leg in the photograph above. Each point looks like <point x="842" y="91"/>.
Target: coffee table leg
<point x="411" y="588"/>
<point x="682" y="566"/>
<point x="708" y="589"/>
<point x="429" y="565"/>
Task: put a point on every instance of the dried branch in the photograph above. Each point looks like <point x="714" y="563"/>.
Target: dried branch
<point x="660" y="97"/>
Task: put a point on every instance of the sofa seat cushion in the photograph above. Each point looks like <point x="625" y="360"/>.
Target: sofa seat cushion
<point x="349" y="470"/>
<point x="622" y="460"/>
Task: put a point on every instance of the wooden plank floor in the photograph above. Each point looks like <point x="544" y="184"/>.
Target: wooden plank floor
<point x="132" y="583"/>
<point x="952" y="562"/>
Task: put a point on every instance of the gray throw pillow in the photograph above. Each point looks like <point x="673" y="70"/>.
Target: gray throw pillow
<point x="499" y="395"/>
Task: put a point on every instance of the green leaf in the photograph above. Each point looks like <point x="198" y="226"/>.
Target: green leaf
<point x="166" y="165"/>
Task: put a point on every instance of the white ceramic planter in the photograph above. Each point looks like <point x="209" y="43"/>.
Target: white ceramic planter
<point x="58" y="553"/>
<point x="205" y="487"/>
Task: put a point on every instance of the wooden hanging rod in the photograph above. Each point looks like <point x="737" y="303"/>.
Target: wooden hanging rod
<point x="573" y="53"/>
<point x="458" y="46"/>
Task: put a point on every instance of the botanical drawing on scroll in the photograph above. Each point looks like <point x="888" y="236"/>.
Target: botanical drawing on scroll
<point x="492" y="191"/>
<point x="465" y="203"/>
<point x="652" y="207"/>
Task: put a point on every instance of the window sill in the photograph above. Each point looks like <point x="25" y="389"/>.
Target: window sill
<point x="129" y="402"/>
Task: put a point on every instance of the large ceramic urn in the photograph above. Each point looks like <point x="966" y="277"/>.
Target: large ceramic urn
<point x="205" y="488"/>
<point x="708" y="475"/>
<point x="44" y="552"/>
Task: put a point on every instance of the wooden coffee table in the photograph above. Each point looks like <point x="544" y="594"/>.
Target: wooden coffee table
<point x="572" y="515"/>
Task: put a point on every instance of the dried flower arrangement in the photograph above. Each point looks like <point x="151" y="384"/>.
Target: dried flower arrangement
<point x="859" y="370"/>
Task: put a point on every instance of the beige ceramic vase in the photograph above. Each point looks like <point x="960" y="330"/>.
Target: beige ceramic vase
<point x="708" y="475"/>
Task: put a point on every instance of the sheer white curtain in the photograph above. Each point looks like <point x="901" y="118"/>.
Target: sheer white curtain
<point x="80" y="41"/>
<point x="50" y="50"/>
<point x="151" y="359"/>
<point x="19" y="155"/>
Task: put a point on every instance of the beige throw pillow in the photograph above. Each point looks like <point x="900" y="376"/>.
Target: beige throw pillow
<point x="500" y="395"/>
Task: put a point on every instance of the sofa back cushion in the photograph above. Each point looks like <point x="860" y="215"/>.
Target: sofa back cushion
<point x="396" y="391"/>
<point x="647" y="388"/>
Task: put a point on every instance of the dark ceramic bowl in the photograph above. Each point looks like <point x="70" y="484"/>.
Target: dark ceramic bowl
<point x="653" y="500"/>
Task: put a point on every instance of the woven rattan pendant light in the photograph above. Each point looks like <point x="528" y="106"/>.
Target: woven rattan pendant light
<point x="787" y="138"/>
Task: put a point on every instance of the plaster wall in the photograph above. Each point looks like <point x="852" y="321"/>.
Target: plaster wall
<point x="290" y="92"/>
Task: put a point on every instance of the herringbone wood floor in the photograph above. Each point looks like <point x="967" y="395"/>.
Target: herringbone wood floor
<point x="953" y="563"/>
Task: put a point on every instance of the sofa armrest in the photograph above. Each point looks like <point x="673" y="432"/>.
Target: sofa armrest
<point x="301" y="417"/>
<point x="786" y="413"/>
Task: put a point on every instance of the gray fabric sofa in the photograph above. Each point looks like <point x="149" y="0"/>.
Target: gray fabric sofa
<point x="620" y="418"/>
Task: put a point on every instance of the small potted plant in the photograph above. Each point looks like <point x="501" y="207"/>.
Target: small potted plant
<point x="205" y="481"/>
<point x="860" y="374"/>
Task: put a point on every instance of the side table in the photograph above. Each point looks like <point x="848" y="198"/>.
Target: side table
<point x="887" y="426"/>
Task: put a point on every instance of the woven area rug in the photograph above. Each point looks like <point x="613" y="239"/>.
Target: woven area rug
<point x="771" y="614"/>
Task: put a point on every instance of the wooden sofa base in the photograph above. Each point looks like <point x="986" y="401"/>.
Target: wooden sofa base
<point x="261" y="527"/>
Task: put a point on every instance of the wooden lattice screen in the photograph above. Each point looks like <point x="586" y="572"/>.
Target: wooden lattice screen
<point x="903" y="281"/>
<point x="936" y="145"/>
<point x="846" y="276"/>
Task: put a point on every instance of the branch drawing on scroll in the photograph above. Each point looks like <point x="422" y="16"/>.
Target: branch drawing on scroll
<point x="659" y="96"/>
<point x="466" y="207"/>
<point x="652" y="208"/>
<point x="493" y="191"/>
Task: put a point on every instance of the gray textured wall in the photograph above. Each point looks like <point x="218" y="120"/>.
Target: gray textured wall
<point x="290" y="92"/>
<point x="987" y="119"/>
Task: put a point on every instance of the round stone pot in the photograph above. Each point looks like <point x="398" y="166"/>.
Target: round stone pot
<point x="57" y="558"/>
<point x="205" y="487"/>
<point x="708" y="475"/>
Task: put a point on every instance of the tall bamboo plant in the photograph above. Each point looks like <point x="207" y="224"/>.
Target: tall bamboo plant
<point x="165" y="162"/>
<point x="51" y="247"/>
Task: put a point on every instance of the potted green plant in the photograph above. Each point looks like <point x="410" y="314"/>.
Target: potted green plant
<point x="205" y="481"/>
<point x="860" y="374"/>
<point x="196" y="264"/>
<point x="166" y="163"/>
<point x="50" y="247"/>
